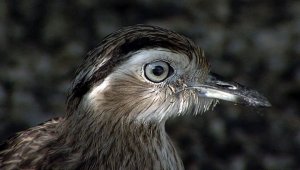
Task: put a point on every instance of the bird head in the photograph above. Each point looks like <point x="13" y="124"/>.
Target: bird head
<point x="147" y="74"/>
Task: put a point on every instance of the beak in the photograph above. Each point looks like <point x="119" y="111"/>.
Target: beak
<point x="215" y="87"/>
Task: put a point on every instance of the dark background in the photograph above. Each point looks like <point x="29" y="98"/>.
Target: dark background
<point x="254" y="42"/>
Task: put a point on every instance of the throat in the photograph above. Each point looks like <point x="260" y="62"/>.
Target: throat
<point x="129" y="145"/>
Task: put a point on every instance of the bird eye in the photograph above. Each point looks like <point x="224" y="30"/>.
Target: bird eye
<point x="158" y="71"/>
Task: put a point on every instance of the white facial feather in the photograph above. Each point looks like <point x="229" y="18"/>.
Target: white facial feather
<point x="142" y="57"/>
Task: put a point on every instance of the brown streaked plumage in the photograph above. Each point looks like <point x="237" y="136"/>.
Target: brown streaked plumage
<point x="123" y="93"/>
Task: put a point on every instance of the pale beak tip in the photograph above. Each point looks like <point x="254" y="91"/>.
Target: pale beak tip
<point x="262" y="102"/>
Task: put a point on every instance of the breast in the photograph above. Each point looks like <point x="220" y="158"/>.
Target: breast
<point x="29" y="147"/>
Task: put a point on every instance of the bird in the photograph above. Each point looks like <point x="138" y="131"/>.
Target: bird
<point x="123" y="93"/>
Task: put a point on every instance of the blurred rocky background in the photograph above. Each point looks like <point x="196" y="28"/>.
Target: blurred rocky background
<point x="254" y="42"/>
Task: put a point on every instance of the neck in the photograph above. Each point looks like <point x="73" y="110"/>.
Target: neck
<point x="119" y="143"/>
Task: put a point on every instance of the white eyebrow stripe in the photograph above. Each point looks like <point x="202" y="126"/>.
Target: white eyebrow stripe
<point x="144" y="55"/>
<point x="150" y="55"/>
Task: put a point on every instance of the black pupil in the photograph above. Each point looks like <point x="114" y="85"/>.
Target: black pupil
<point x="158" y="70"/>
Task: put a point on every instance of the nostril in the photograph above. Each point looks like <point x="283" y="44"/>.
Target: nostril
<point x="227" y="86"/>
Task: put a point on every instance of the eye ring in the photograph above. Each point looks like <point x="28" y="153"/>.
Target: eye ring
<point x="157" y="71"/>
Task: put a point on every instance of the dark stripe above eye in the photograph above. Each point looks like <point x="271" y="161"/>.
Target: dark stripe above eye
<point x="135" y="45"/>
<point x="132" y="45"/>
